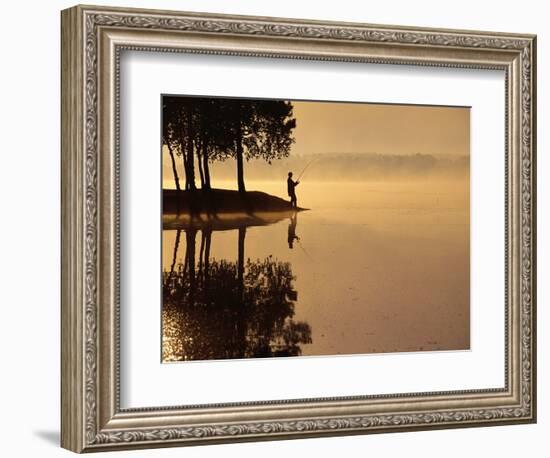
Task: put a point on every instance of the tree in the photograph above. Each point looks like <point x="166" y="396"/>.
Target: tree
<point x="210" y="129"/>
<point x="260" y="129"/>
<point x="169" y="138"/>
<point x="211" y="136"/>
<point x="177" y="134"/>
<point x="187" y="133"/>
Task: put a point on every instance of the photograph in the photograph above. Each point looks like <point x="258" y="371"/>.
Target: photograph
<point x="313" y="228"/>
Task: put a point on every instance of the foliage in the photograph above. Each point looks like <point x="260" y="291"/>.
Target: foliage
<point x="206" y="129"/>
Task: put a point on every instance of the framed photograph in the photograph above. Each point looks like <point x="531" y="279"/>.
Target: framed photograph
<point x="278" y="228"/>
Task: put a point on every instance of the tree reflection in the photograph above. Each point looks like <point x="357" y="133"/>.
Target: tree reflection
<point x="219" y="309"/>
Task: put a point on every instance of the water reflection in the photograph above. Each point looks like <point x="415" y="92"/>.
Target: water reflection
<point x="292" y="230"/>
<point x="388" y="271"/>
<point x="224" y="309"/>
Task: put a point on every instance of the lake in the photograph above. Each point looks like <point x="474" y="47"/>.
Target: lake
<point x="370" y="268"/>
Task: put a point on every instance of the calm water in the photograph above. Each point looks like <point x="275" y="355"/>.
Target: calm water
<point x="378" y="267"/>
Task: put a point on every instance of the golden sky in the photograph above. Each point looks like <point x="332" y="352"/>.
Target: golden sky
<point x="385" y="129"/>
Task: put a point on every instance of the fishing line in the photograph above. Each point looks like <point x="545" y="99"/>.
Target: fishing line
<point x="304" y="250"/>
<point x="305" y="168"/>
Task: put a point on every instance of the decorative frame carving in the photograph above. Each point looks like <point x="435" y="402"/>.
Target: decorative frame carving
<point x="92" y="38"/>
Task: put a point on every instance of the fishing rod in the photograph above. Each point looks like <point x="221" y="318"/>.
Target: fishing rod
<point x="305" y="168"/>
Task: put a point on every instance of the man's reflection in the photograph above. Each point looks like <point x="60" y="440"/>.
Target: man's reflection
<point x="292" y="230"/>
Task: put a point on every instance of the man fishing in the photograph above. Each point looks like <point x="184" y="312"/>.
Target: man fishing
<point x="291" y="188"/>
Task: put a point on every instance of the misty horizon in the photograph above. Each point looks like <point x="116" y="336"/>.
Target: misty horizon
<point x="333" y="166"/>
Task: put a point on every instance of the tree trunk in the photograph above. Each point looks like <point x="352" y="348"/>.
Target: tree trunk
<point x="201" y="172"/>
<point x="205" y="166"/>
<point x="240" y="160"/>
<point x="190" y="183"/>
<point x="184" y="162"/>
<point x="174" y="169"/>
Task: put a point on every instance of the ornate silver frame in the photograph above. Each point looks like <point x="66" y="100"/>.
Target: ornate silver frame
<point x="92" y="39"/>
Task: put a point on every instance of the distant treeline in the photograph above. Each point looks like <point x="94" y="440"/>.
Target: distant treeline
<point x="351" y="166"/>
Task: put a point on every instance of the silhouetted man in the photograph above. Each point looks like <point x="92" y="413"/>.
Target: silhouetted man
<point x="291" y="188"/>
